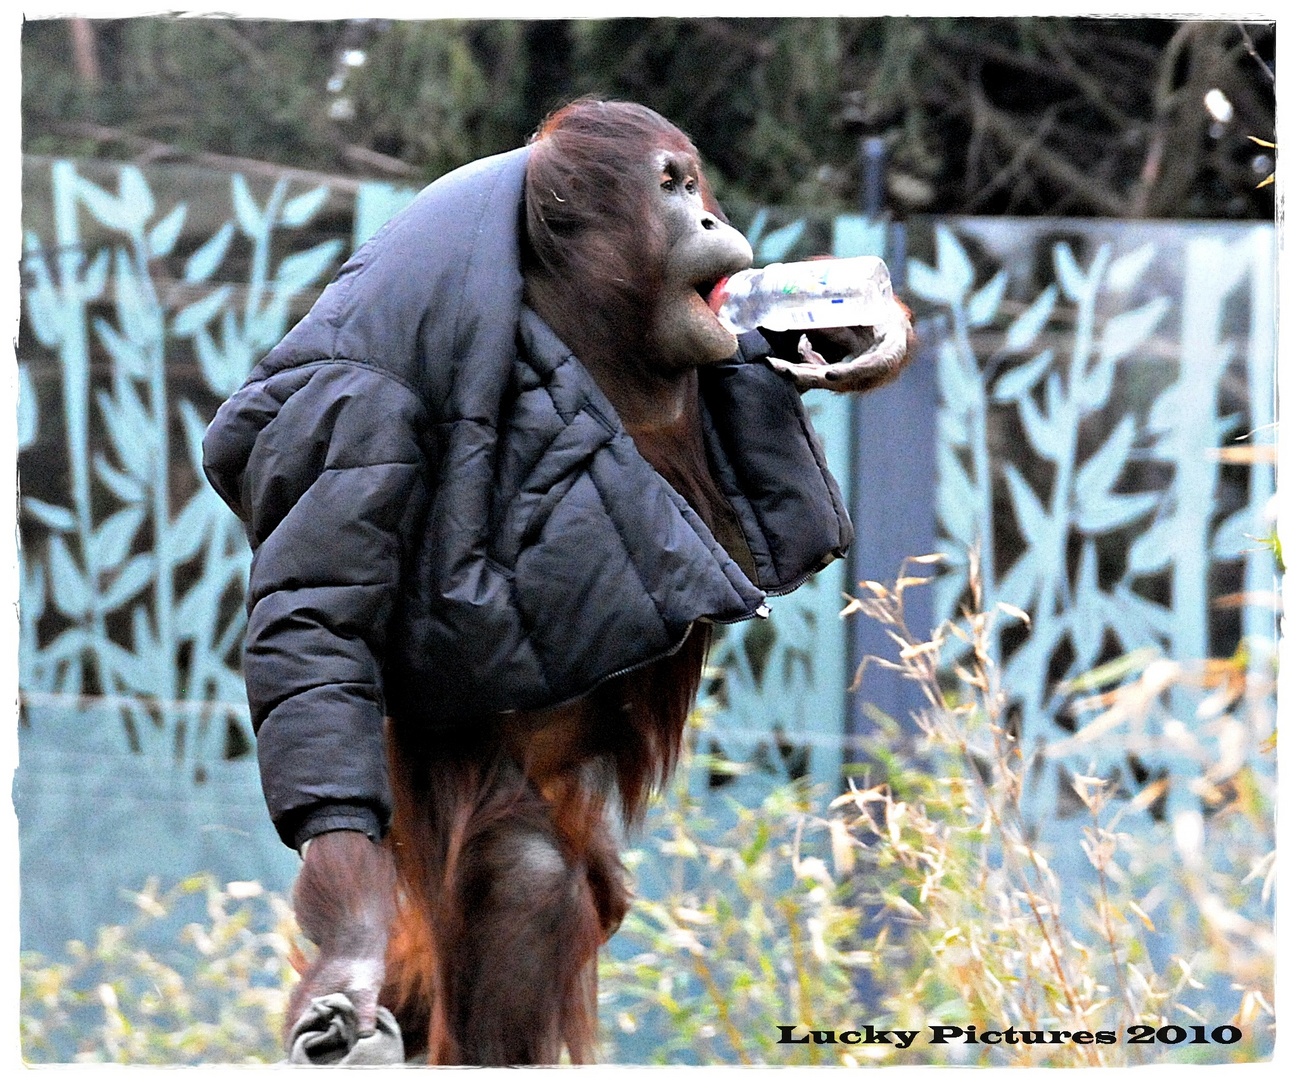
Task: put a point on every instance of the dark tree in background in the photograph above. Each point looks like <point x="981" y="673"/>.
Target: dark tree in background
<point x="1072" y="116"/>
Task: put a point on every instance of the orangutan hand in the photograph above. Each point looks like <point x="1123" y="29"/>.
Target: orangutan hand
<point x="871" y="355"/>
<point x="344" y="901"/>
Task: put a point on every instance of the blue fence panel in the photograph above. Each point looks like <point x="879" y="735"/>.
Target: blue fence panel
<point x="143" y="311"/>
<point x="1072" y="410"/>
<point x="148" y="296"/>
<point x="1091" y="376"/>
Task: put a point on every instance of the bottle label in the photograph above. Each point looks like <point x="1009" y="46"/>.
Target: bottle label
<point x="801" y="296"/>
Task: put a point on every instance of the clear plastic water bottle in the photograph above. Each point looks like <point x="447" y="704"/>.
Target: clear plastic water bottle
<point x="806" y="295"/>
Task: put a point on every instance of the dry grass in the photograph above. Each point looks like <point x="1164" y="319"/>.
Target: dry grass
<point x="933" y="883"/>
<point x="920" y="897"/>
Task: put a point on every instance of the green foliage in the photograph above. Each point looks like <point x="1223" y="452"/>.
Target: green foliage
<point x="925" y="899"/>
<point x="1273" y="542"/>
<point x="752" y="932"/>
<point x="245" y="88"/>
<point x="216" y="995"/>
<point x="441" y="93"/>
<point x="1015" y="115"/>
<point x="916" y="899"/>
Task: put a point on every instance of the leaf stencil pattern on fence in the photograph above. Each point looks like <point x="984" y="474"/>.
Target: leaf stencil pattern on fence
<point x="1105" y="441"/>
<point x="133" y="573"/>
<point x="1105" y="438"/>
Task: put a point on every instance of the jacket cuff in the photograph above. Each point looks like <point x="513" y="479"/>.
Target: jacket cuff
<point x="332" y="817"/>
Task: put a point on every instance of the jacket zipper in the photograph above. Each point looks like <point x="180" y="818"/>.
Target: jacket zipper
<point x="623" y="671"/>
<point x="794" y="584"/>
<point x="761" y="612"/>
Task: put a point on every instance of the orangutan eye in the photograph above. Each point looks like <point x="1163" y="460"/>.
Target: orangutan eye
<point x="690" y="186"/>
<point x="667" y="182"/>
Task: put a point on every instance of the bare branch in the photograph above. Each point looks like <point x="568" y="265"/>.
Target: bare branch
<point x="1250" y="48"/>
<point x="149" y="150"/>
<point x="1017" y="161"/>
<point x="1056" y="167"/>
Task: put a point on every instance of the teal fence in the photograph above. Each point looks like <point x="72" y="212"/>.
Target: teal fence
<point x="1074" y="411"/>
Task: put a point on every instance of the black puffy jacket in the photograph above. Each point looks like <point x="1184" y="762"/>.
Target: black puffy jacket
<point x="449" y="520"/>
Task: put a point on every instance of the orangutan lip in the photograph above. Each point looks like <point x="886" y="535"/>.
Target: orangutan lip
<point x="713" y="293"/>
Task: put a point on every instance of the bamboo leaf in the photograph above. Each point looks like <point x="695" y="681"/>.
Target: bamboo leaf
<point x="42" y="307"/>
<point x="1071" y="277"/>
<point x="1025" y="329"/>
<point x="301" y="269"/>
<point x="267" y="326"/>
<point x="250" y="218"/>
<point x="212" y="362"/>
<point x="194" y="430"/>
<point x="1020" y="380"/>
<point x="163" y="235"/>
<point x="1132" y="607"/>
<point x="1035" y="523"/>
<point x="1033" y="657"/>
<point x="956" y="271"/>
<point x="58" y="518"/>
<point x="1103" y="513"/>
<point x="1154" y="549"/>
<point x="133" y="191"/>
<point x="984" y="303"/>
<point x="67" y="583"/>
<point x="107" y="209"/>
<point x="203" y="262"/>
<point x="1099" y="473"/>
<point x="948" y="588"/>
<point x="199" y="313"/>
<point x="1040" y="430"/>
<point x="124" y="352"/>
<point x="137" y="315"/>
<point x="66" y="646"/>
<point x="924" y="282"/>
<point x="110" y="543"/>
<point x="188" y="532"/>
<point x="757" y="227"/>
<point x="301" y="208"/>
<point x="1126" y="271"/>
<point x="129" y="428"/>
<point x="1126" y="331"/>
<point x="224" y="371"/>
<point x="126" y="488"/>
<point x="1020" y="584"/>
<point x="133" y="578"/>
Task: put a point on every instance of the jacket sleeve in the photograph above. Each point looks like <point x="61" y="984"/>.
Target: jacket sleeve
<point x="327" y="465"/>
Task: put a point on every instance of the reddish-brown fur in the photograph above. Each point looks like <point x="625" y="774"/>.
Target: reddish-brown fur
<point x="509" y="878"/>
<point x="501" y="864"/>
